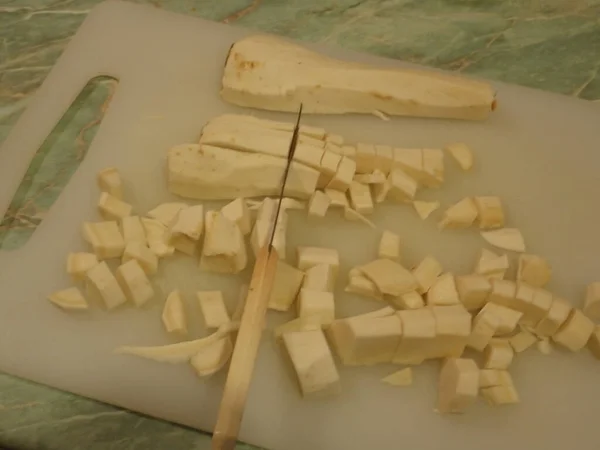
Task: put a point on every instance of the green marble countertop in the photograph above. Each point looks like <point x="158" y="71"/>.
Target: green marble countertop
<point x="548" y="44"/>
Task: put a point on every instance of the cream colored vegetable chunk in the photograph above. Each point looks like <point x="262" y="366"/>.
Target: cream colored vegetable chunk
<point x="318" y="204"/>
<point x="390" y="277"/>
<point x="338" y="198"/>
<point x="361" y="285"/>
<point x="483" y="329"/>
<point x="313" y="303"/>
<point x="269" y="73"/>
<point x="237" y="211"/>
<point x="433" y="167"/>
<point x="365" y="158"/>
<point x="443" y="291"/>
<point x="522" y="340"/>
<point x="213" y="308"/>
<point x="343" y="175"/>
<point x="389" y="246"/>
<point x="365" y="341"/>
<point x="105" y="238"/>
<point x="134" y="282"/>
<point x="173" y="315"/>
<point x="452" y="331"/>
<point x="109" y="180"/>
<point x="424" y="209"/>
<point x="186" y="229"/>
<point x="402" y="377"/>
<point x="418" y="336"/>
<point x="506" y="239"/>
<point x="462" y="154"/>
<point x="166" y="213"/>
<point x="492" y="265"/>
<point x="503" y="393"/>
<point x="320" y="278"/>
<point x="534" y="270"/>
<point x="402" y="188"/>
<point x="458" y="385"/>
<point x="101" y="282"/>
<point x="111" y="208"/>
<point x="287" y="283"/>
<point x="313" y="363"/>
<point x="312" y="256"/>
<point x="507" y="318"/>
<point x="459" y="215"/>
<point x="591" y="305"/>
<point x="410" y="160"/>
<point x="493" y="377"/>
<point x="498" y="354"/>
<point x="329" y="166"/>
<point x="205" y="172"/>
<point x="309" y="323"/>
<point x="410" y="300"/>
<point x="224" y="249"/>
<point x="473" y="290"/>
<point x="133" y="230"/>
<point x="157" y="235"/>
<point x="70" y="299"/>
<point x="79" y="263"/>
<point x="575" y="332"/>
<point x="490" y="212"/>
<point x="143" y="255"/>
<point x="263" y="226"/>
<point x="360" y="198"/>
<point x="557" y="315"/>
<point x="212" y="358"/>
<point x="503" y="293"/>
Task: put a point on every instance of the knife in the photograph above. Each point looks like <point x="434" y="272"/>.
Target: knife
<point x="241" y="367"/>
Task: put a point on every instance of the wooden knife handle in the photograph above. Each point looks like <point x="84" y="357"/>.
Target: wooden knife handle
<point x="241" y="368"/>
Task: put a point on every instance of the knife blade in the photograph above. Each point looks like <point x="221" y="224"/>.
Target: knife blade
<point x="241" y="368"/>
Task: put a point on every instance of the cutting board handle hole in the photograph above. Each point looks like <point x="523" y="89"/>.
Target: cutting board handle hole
<point x="55" y="162"/>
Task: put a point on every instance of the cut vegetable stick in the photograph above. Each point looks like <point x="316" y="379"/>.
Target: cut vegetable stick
<point x="389" y="246"/>
<point x="70" y="299"/>
<point x="313" y="363"/>
<point x="248" y="340"/>
<point x="426" y="273"/>
<point x="458" y="385"/>
<point x="211" y="173"/>
<point x="506" y="239"/>
<point x="365" y="341"/>
<point x="402" y="377"/>
<point x="213" y="308"/>
<point x="109" y="180"/>
<point x="410" y="160"/>
<point x="264" y="72"/>
<point x="424" y="209"/>
<point x="462" y="154"/>
<point x="330" y="163"/>
<point x="173" y="315"/>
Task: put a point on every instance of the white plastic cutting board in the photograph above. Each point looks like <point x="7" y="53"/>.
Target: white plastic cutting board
<point x="540" y="152"/>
